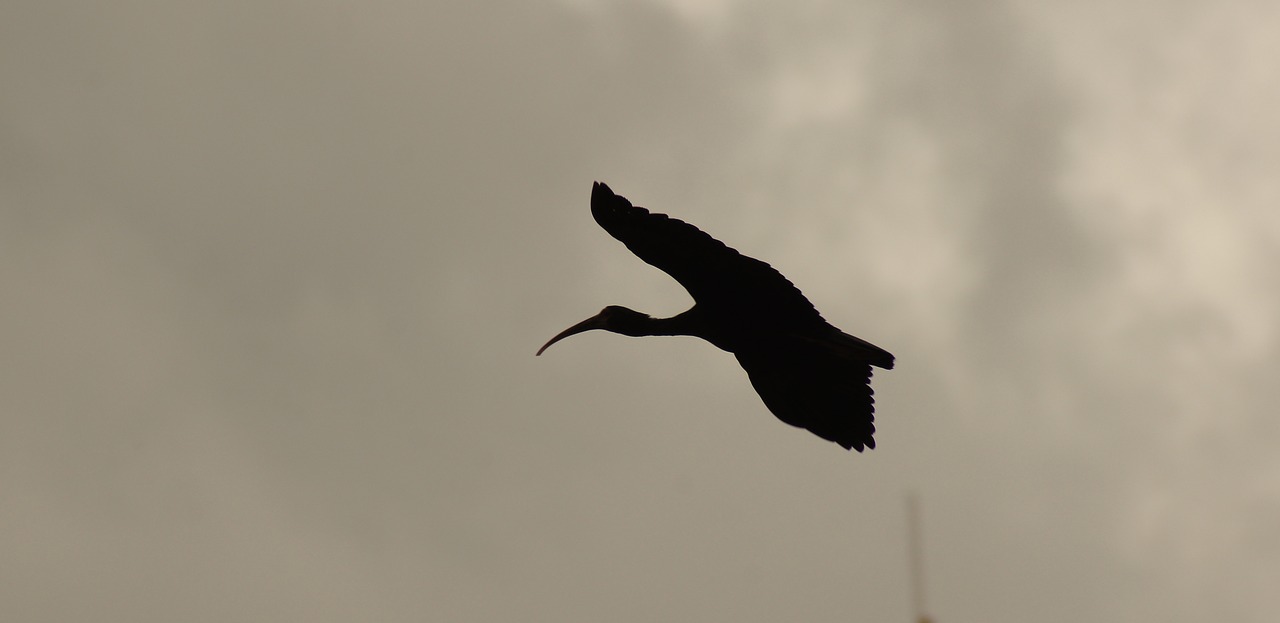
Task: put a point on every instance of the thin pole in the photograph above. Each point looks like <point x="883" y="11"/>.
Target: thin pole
<point x="916" y="558"/>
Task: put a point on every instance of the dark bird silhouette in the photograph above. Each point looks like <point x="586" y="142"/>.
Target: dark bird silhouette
<point x="809" y="373"/>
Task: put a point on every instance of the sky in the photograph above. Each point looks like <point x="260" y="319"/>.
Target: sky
<point x="275" y="273"/>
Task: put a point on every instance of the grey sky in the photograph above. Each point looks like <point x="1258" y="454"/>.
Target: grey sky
<point x="275" y="273"/>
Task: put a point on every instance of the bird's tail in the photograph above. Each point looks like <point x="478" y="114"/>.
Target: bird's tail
<point x="858" y="349"/>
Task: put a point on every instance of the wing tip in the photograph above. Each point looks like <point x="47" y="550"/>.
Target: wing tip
<point x="603" y="198"/>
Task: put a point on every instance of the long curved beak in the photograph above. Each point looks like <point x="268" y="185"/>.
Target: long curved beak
<point x="594" y="322"/>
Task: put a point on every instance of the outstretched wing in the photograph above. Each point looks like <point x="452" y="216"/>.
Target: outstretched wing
<point x="717" y="276"/>
<point x="822" y="392"/>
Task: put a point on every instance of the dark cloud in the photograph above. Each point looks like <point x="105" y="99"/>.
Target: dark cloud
<point x="276" y="274"/>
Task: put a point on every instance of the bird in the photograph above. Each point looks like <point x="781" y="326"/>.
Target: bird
<point x="809" y="374"/>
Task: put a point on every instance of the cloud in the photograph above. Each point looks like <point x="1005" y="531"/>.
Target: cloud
<point x="276" y="274"/>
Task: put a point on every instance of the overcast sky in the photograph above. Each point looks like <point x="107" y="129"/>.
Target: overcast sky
<point x="274" y="273"/>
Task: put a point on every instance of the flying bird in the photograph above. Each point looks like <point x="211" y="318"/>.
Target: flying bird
<point x="809" y="373"/>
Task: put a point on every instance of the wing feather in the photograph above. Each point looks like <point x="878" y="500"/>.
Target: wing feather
<point x="827" y="395"/>
<point x="717" y="276"/>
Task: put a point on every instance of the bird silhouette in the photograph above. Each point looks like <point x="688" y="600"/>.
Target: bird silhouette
<point x="810" y="374"/>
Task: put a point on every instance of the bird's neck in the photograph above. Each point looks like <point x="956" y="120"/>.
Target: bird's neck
<point x="642" y="325"/>
<point x="689" y="323"/>
<point x="675" y="325"/>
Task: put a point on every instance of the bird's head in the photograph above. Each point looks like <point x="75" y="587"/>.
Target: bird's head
<point x="614" y="318"/>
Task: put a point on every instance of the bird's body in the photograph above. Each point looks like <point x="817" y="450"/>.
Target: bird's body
<point x="809" y="373"/>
